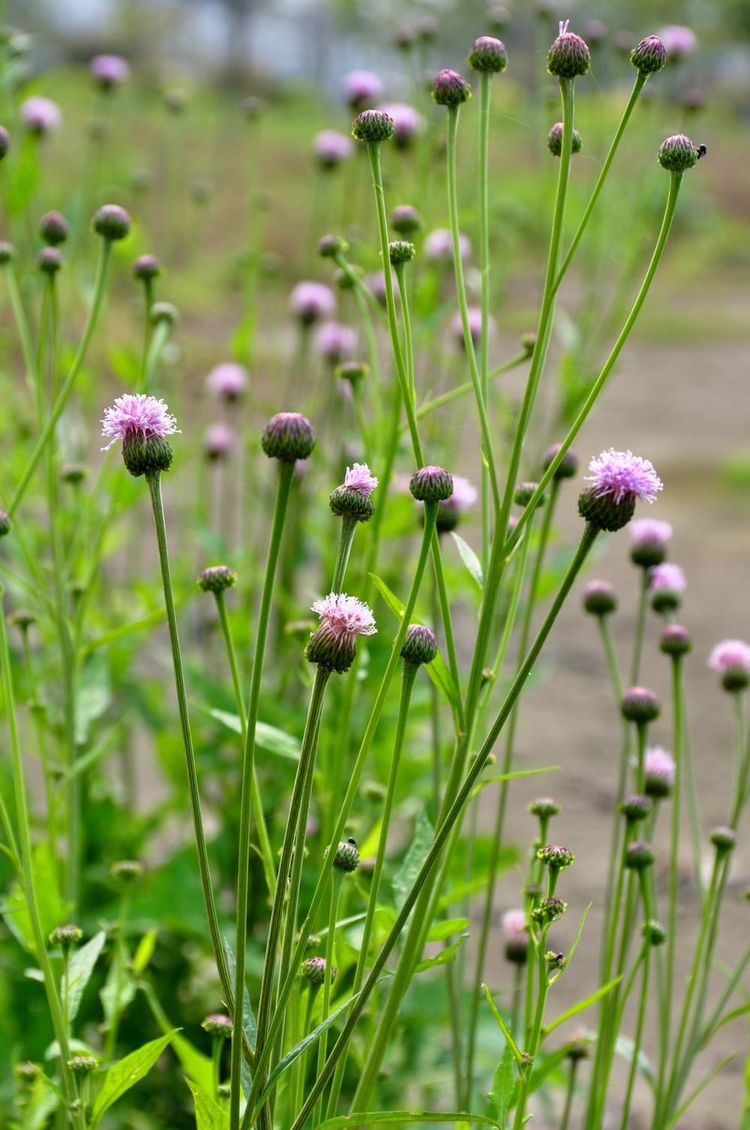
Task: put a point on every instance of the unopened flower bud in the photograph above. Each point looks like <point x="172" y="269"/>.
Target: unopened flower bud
<point x="7" y="252"/>
<point x="314" y="969"/>
<point x="83" y="1064"/>
<point x="724" y="839"/>
<point x="22" y="619"/>
<point x="638" y="856"/>
<point x="400" y="251"/>
<point x="146" y="268"/>
<point x="640" y="705"/>
<point x="675" y="641"/>
<point x="126" y="870"/>
<point x="4" y="524"/>
<point x="352" y="371"/>
<point x="346" y="858"/>
<point x="488" y="55"/>
<point x="288" y="436"/>
<point x="66" y="936"/>
<point x="372" y="127"/>
<point x="555" y="856"/>
<point x="654" y="933"/>
<point x="568" y="466"/>
<point x="405" y="220"/>
<point x="659" y="772"/>
<point x="431" y="484"/>
<point x="524" y="494"/>
<point x="599" y="598"/>
<point x="569" y="56"/>
<point x="636" y="808"/>
<point x="649" y="56"/>
<point x="74" y="473"/>
<point x="555" y="140"/>
<point x="112" y="222"/>
<point x="528" y="343"/>
<point x="164" y="312"/>
<point x="217" y="1024"/>
<point x="49" y="260"/>
<point x="576" y="1048"/>
<point x="544" y="807"/>
<point x="420" y="645"/>
<point x="677" y="154"/>
<point x="549" y="910"/>
<point x="216" y="578"/>
<point x="4" y="142"/>
<point x="53" y="228"/>
<point x="450" y="88"/>
<point x="331" y="246"/>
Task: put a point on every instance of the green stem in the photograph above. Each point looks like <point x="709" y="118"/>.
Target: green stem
<point x="326" y="1005"/>
<point x="151" y="360"/>
<point x="640" y="624"/>
<point x="569" y="1095"/>
<point x="478" y="379"/>
<point x="67" y="385"/>
<point x="346" y="538"/>
<point x="637" y="88"/>
<point x="154" y="485"/>
<point x="638" y="1038"/>
<point x="269" y="868"/>
<point x="462" y="389"/>
<point x="283" y="490"/>
<point x="443" y="832"/>
<point x="675" y="180"/>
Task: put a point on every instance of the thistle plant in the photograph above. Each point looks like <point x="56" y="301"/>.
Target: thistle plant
<point x="348" y="682"/>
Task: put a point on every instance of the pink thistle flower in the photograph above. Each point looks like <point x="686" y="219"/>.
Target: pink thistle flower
<point x="475" y="325"/>
<point x="619" y="479"/>
<point x="311" y="302"/>
<point x="659" y="772"/>
<point x="407" y="122"/>
<point x="40" y="115"/>
<point x="335" y="342"/>
<point x="343" y="618"/>
<point x="362" y="88"/>
<point x="375" y="283"/>
<point x="648" y="531"/>
<point x="438" y="246"/>
<point x="143" y="424"/>
<point x="666" y="577"/>
<point x="136" y="416"/>
<point x="359" y="478"/>
<point x="331" y="148"/>
<point x="515" y="935"/>
<point x="228" y="380"/>
<point x="731" y="660"/>
<point x="450" y="510"/>
<point x="109" y="70"/>
<point x="219" y="442"/>
<point x="679" y="41"/>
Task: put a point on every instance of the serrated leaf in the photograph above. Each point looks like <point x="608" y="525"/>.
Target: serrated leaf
<point x="80" y="967"/>
<point x="470" y="560"/>
<point x="504" y="1085"/>
<point x="209" y="1114"/>
<point x="415" y="856"/>
<point x="126" y="1073"/>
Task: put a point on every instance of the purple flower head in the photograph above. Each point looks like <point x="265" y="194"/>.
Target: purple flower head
<point x="666" y="577"/>
<point x="730" y="655"/>
<point x="515" y="935"/>
<point x="40" y="115"/>
<point x="475" y="325"/>
<point x="375" y="283"/>
<point x="599" y="598"/>
<point x="139" y="417"/>
<point x="312" y="302"/>
<point x="439" y="248"/>
<point x="359" y="478"/>
<point x="336" y="342"/>
<point x="659" y="772"/>
<point x="620" y="474"/>
<point x="219" y="441"/>
<point x="331" y="148"/>
<point x="345" y="615"/>
<point x="407" y="122"/>
<point x="679" y="41"/>
<point x="110" y="70"/>
<point x="363" y="88"/>
<point x="451" y="510"/>
<point x="228" y="380"/>
<point x="649" y="531"/>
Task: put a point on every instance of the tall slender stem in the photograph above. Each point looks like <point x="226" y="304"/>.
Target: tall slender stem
<point x="285" y="478"/>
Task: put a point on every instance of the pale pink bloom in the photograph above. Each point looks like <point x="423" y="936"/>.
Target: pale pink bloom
<point x="363" y="88"/>
<point x="659" y="768"/>
<point x="679" y="41"/>
<point x="474" y="316"/>
<point x="649" y="532"/>
<point x="219" y="441"/>
<point x="228" y="380"/>
<point x="358" y="477"/>
<point x="439" y="248"/>
<point x="375" y="283"/>
<point x="407" y="122"/>
<point x="620" y="475"/>
<point x="730" y="655"/>
<point x="331" y="148"/>
<point x="110" y="70"/>
<point x="137" y="416"/>
<point x="666" y="577"/>
<point x="41" y="115"/>
<point x="346" y="616"/>
<point x="336" y="342"/>
<point x="312" y="301"/>
<point x="514" y="925"/>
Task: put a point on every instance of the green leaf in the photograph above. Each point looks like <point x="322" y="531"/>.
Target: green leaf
<point x="209" y="1114"/>
<point x="517" y="1055"/>
<point x="42" y="1101"/>
<point x="268" y="738"/>
<point x="194" y="1063"/>
<point x="512" y="777"/>
<point x="126" y="1073"/>
<point x="581" y="1005"/>
<point x="470" y="560"/>
<point x="396" y="606"/>
<point x="144" y="952"/>
<point x="248" y="1016"/>
<point x="440" y="930"/>
<point x="504" y="1085"/>
<point x="119" y="988"/>
<point x="93" y="695"/>
<point x="701" y="1087"/>
<point x="80" y="968"/>
<point x="445" y="957"/>
<point x="52" y="910"/>
<point x="574" y="946"/>
<point x="415" y="856"/>
<point x="403" y="1117"/>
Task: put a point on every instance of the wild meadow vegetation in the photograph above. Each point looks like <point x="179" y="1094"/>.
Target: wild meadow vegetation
<point x="281" y="545"/>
